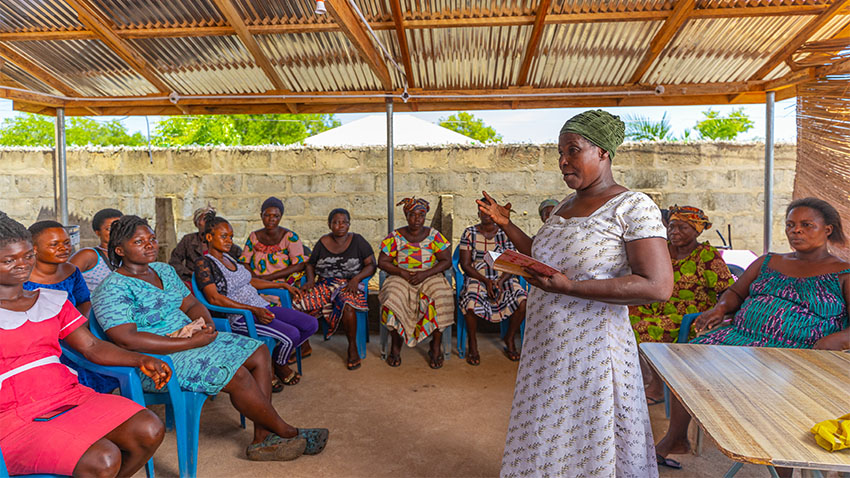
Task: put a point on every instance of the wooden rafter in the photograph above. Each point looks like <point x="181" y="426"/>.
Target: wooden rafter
<point x="799" y="39"/>
<point x="398" y="21"/>
<point x="235" y="19"/>
<point x="36" y="71"/>
<point x="350" y="24"/>
<point x="681" y="12"/>
<point x="92" y="18"/>
<point x="533" y="41"/>
<point x="414" y="24"/>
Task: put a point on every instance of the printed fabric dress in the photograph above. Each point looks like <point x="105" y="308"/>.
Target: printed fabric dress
<point x="263" y="259"/>
<point x="416" y="311"/>
<point x="699" y="279"/>
<point x="474" y="294"/>
<point x="784" y="311"/>
<point x="127" y="300"/>
<point x="33" y="382"/>
<point x="579" y="408"/>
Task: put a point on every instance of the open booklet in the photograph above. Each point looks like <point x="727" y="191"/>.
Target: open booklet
<point x="514" y="262"/>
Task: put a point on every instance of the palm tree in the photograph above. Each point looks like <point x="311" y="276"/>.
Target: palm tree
<point x="640" y="128"/>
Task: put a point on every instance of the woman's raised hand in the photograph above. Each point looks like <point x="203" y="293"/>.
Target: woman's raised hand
<point x="501" y="215"/>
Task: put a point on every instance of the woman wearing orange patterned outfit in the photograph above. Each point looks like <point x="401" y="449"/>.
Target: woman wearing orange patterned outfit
<point x="274" y="253"/>
<point x="416" y="299"/>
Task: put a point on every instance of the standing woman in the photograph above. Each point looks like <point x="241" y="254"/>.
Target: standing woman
<point x="416" y="300"/>
<point x="579" y="406"/>
<point x="93" y="262"/>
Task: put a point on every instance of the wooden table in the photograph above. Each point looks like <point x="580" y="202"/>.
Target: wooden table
<point x="758" y="404"/>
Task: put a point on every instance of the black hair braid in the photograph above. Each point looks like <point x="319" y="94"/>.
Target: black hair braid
<point x="121" y="230"/>
<point x="210" y="221"/>
<point x="12" y="231"/>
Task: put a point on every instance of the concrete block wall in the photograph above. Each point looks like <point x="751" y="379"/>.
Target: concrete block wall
<point x="725" y="179"/>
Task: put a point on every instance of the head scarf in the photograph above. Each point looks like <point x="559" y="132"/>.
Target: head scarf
<point x="413" y="204"/>
<point x="200" y="213"/>
<point x="546" y="203"/>
<point x="691" y="215"/>
<point x="272" y="202"/>
<point x="599" y="127"/>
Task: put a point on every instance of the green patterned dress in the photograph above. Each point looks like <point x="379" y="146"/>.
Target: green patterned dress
<point x="699" y="279"/>
<point x="126" y="300"/>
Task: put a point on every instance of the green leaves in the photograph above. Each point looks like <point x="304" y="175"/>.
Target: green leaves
<point x="468" y="125"/>
<point x="640" y="128"/>
<point x="39" y="130"/>
<point x="240" y="130"/>
<point x="724" y="128"/>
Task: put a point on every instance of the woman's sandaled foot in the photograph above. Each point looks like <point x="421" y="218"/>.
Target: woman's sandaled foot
<point x="668" y="462"/>
<point x="276" y="448"/>
<point x="316" y="439"/>
<point x="354" y="364"/>
<point x="293" y="358"/>
<point x="435" y="361"/>
<point x="512" y="355"/>
<point x="668" y="446"/>
<point x="277" y="385"/>
<point x="292" y="379"/>
<point x="473" y="359"/>
<point x="393" y="360"/>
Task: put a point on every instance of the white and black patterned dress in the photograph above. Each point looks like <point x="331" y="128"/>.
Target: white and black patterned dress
<point x="579" y="407"/>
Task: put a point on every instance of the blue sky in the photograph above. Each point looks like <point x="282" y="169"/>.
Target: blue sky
<point x="542" y="125"/>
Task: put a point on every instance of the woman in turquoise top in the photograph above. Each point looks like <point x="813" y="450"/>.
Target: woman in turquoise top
<point x="794" y="300"/>
<point x="143" y="301"/>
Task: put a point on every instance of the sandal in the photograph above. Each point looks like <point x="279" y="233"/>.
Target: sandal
<point x="292" y="379"/>
<point x="653" y="401"/>
<point x="276" y="448"/>
<point x="435" y="362"/>
<point x="668" y="462"/>
<point x="393" y="360"/>
<point x="513" y="356"/>
<point x="354" y="365"/>
<point x="277" y="385"/>
<point x="316" y="439"/>
<point x="473" y="359"/>
<point x="293" y="358"/>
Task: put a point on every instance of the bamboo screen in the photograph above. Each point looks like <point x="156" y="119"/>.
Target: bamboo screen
<point x="823" y="145"/>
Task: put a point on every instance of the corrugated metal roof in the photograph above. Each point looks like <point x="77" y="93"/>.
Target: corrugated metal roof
<point x="159" y="13"/>
<point x="264" y="12"/>
<point x="432" y="9"/>
<point x="25" y="79"/>
<point x="587" y="6"/>
<point x="28" y="15"/>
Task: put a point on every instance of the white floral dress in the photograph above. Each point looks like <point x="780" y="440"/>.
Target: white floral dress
<point x="579" y="407"/>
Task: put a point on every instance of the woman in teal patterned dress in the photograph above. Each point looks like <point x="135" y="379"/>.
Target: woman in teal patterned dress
<point x="794" y="300"/>
<point x="143" y="302"/>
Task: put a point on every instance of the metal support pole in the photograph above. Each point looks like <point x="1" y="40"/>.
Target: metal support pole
<point x="390" y="189"/>
<point x="770" y="97"/>
<point x="62" y="170"/>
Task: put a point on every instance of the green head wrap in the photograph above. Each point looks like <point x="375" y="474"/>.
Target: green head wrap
<point x="599" y="127"/>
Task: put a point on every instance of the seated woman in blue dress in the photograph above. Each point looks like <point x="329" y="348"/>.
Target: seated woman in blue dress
<point x="143" y="303"/>
<point x="793" y="300"/>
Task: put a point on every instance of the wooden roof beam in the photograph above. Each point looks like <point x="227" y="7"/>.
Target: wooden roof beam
<point x="533" y="41"/>
<point x="398" y="21"/>
<point x="91" y="17"/>
<point x="662" y="38"/>
<point x="36" y="71"/>
<point x="351" y="25"/>
<point x="799" y="39"/>
<point x="236" y="21"/>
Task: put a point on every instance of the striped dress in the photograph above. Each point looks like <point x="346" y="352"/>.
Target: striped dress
<point x="783" y="311"/>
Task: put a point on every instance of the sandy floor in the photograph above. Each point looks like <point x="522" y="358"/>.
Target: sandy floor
<point x="405" y="421"/>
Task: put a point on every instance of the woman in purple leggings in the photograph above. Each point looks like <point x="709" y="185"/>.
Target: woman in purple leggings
<point x="227" y="283"/>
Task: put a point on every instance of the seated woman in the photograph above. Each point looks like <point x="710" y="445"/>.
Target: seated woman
<point x="227" y="283"/>
<point x="274" y="253"/>
<point x="700" y="276"/>
<point x="416" y="300"/>
<point x="793" y="300"/>
<point x="95" y="434"/>
<point x="52" y="247"/>
<point x="92" y="261"/>
<point x="545" y="209"/>
<point x="143" y="303"/>
<point x="486" y="293"/>
<point x="192" y="246"/>
<point x="342" y="260"/>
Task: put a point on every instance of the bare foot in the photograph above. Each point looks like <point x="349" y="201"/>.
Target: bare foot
<point x="670" y="447"/>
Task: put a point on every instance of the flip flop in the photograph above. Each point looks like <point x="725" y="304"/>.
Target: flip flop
<point x="293" y="359"/>
<point x="512" y="356"/>
<point x="292" y="379"/>
<point x="668" y="462"/>
<point x="393" y="360"/>
<point x="435" y="362"/>
<point x="354" y="365"/>
<point x="474" y="360"/>
<point x="277" y="385"/>
<point x="653" y="401"/>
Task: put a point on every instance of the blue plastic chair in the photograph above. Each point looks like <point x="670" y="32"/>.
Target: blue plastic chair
<point x="461" y="319"/>
<point x="446" y="343"/>
<point x="129" y="385"/>
<point x="270" y="342"/>
<point x="182" y="408"/>
<point x="362" y="324"/>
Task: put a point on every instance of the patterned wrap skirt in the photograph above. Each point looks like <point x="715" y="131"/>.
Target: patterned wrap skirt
<point x="474" y="297"/>
<point x="328" y="299"/>
<point x="416" y="311"/>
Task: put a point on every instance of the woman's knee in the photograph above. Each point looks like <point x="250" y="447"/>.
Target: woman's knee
<point x="101" y="460"/>
<point x="149" y="429"/>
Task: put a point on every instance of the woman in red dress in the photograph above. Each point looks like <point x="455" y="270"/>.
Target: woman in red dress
<point x="49" y="423"/>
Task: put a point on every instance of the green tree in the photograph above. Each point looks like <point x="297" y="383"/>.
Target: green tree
<point x="39" y="130"/>
<point x="641" y="128"/>
<point x="234" y="130"/>
<point x="724" y="128"/>
<point x="468" y="125"/>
